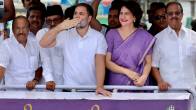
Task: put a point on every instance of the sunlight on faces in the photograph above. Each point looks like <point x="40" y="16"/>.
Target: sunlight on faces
<point x="35" y="20"/>
<point x="126" y="17"/>
<point x="83" y="23"/>
<point x="174" y="16"/>
<point x="21" y="30"/>
<point x="82" y="14"/>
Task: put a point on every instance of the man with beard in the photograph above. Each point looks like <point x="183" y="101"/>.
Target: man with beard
<point x="84" y="49"/>
<point x="51" y="58"/>
<point x="19" y="54"/>
<point x="174" y="53"/>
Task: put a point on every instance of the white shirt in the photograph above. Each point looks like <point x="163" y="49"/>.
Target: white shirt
<point x="175" y="56"/>
<point x="52" y="61"/>
<point x="20" y="62"/>
<point x="33" y="36"/>
<point x="79" y="55"/>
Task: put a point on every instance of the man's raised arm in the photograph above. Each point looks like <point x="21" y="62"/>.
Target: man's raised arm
<point x="49" y="39"/>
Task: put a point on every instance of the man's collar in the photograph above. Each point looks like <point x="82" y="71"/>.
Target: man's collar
<point x="182" y="29"/>
<point x="88" y="33"/>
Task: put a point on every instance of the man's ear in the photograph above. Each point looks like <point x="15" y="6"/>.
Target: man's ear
<point x="89" y="18"/>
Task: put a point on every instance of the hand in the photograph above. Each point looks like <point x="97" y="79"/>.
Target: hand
<point x="140" y="81"/>
<point x="163" y="86"/>
<point x="50" y="85"/>
<point x="31" y="84"/>
<point x="66" y="24"/>
<point x="132" y="75"/>
<point x="100" y="90"/>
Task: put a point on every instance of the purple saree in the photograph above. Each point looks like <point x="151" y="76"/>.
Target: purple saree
<point x="129" y="53"/>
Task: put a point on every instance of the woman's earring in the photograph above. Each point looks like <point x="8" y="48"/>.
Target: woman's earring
<point x="134" y="21"/>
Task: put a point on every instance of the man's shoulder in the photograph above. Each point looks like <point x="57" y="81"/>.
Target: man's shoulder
<point x="41" y="33"/>
<point x="43" y="30"/>
<point x="191" y="34"/>
<point x="162" y="33"/>
<point x="189" y="30"/>
<point x="8" y="41"/>
<point x="95" y="33"/>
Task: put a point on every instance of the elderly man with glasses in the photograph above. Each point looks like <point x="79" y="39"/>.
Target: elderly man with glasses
<point x="174" y="53"/>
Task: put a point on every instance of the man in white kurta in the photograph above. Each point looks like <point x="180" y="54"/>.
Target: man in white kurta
<point x="174" y="53"/>
<point x="52" y="61"/>
<point x="52" y="58"/>
<point x="175" y="56"/>
<point x="84" y="49"/>
<point x="19" y="55"/>
<point x="79" y="52"/>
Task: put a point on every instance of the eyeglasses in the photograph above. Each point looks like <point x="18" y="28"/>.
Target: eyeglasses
<point x="177" y="13"/>
<point x="160" y="17"/>
<point x="55" y="20"/>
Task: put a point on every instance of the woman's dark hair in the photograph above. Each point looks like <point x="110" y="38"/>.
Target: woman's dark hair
<point x="135" y="9"/>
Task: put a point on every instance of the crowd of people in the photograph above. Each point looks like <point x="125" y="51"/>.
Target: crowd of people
<point x="73" y="48"/>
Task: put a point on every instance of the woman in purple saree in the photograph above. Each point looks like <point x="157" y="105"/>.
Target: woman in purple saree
<point x="129" y="51"/>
